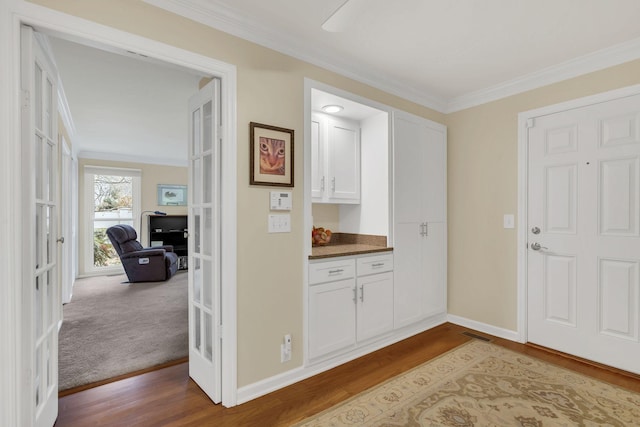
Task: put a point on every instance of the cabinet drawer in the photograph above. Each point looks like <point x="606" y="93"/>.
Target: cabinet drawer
<point x="331" y="271"/>
<point x="375" y="264"/>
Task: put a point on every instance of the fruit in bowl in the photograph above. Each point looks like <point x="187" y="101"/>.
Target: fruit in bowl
<point x="320" y="236"/>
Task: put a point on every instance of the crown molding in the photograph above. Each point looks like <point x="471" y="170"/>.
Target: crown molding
<point x="219" y="16"/>
<point x="595" y="61"/>
<point x="128" y="158"/>
<point x="223" y="18"/>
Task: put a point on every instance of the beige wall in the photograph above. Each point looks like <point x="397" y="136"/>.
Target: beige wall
<point x="482" y="187"/>
<point x="482" y="180"/>
<point x="152" y="175"/>
<point x="270" y="90"/>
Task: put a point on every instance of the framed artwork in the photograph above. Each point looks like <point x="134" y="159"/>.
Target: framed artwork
<point x="172" y="195"/>
<point x="271" y="155"/>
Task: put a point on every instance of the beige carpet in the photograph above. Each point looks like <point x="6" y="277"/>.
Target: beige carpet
<point x="482" y="384"/>
<point x="112" y="327"/>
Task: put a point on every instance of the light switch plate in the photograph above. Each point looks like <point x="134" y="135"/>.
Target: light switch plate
<point x="280" y="223"/>
<point x="509" y="221"/>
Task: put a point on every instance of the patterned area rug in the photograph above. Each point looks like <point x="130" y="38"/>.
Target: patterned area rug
<point x="482" y="384"/>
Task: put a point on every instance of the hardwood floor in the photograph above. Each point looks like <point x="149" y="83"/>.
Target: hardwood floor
<point x="167" y="397"/>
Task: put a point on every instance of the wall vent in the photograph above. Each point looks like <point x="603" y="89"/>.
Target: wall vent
<point x="478" y="337"/>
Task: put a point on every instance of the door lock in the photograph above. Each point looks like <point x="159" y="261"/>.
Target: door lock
<point x="535" y="230"/>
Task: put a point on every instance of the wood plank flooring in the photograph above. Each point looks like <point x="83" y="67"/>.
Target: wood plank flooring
<point x="167" y="397"/>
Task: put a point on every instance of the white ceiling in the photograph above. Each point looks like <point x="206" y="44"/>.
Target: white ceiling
<point x="125" y="107"/>
<point x="444" y="54"/>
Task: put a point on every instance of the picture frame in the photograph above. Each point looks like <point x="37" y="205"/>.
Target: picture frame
<point x="172" y="195"/>
<point x="270" y="155"/>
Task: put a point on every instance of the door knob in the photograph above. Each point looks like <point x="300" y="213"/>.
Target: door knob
<point x="536" y="246"/>
<point x="61" y="240"/>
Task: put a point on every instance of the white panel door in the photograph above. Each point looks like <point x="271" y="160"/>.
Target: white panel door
<point x="204" y="240"/>
<point x="584" y="232"/>
<point x="41" y="290"/>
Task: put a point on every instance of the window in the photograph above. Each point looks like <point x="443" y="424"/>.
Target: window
<point x="112" y="196"/>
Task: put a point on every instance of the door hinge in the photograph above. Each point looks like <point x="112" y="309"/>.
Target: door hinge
<point x="531" y="123"/>
<point x="220" y="332"/>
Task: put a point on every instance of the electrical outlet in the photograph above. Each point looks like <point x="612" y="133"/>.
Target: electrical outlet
<point x="285" y="349"/>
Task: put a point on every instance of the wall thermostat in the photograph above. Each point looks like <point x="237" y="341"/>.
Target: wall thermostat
<point x="281" y="200"/>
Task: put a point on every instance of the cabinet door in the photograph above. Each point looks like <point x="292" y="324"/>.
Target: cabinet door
<point x="344" y="161"/>
<point x="419" y="207"/>
<point x="375" y="305"/>
<point x="409" y="272"/>
<point x="332" y="311"/>
<point x="434" y="258"/>
<point x="318" y="141"/>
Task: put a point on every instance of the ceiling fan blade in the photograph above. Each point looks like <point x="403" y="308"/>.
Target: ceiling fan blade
<point x="344" y="16"/>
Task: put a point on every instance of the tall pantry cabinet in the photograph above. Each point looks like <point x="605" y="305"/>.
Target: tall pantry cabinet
<point x="420" y="218"/>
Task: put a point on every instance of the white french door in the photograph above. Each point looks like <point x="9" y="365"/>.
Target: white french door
<point x="204" y="240"/>
<point x="583" y="259"/>
<point x="41" y="290"/>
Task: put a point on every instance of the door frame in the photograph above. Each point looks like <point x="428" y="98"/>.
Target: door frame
<point x="13" y="13"/>
<point x="525" y="120"/>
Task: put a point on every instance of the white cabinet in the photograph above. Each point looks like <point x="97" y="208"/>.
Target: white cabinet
<point x="331" y="314"/>
<point x="350" y="301"/>
<point x="375" y="308"/>
<point x="420" y="227"/>
<point x="335" y="160"/>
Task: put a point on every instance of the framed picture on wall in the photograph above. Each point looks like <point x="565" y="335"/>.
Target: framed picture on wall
<point x="172" y="195"/>
<point x="271" y="155"/>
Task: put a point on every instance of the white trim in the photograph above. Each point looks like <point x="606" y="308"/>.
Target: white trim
<point x="128" y="158"/>
<point x="224" y="18"/>
<point x="276" y="382"/>
<point x="523" y="161"/>
<point x="581" y="65"/>
<point x="484" y="327"/>
<point x="13" y="12"/>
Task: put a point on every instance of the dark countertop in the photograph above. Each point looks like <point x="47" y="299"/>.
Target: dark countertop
<point x="345" y="244"/>
<point x="329" y="251"/>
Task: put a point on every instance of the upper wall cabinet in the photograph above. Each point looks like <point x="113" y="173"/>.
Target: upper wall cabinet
<point x="335" y="160"/>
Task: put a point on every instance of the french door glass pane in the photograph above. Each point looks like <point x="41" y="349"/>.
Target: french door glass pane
<point x="196" y="321"/>
<point x="38" y="363"/>
<point x="48" y="107"/>
<point x="197" y="179"/>
<point x="38" y="305"/>
<point x="38" y="96"/>
<point x="207" y="276"/>
<point x="39" y="169"/>
<point x="208" y="336"/>
<point x="48" y="177"/>
<point x="196" y="232"/>
<point x="197" y="280"/>
<point x="195" y="133"/>
<point x="39" y="227"/>
<point x="206" y="131"/>
<point x="207" y="172"/>
<point x="49" y="240"/>
<point x="207" y="229"/>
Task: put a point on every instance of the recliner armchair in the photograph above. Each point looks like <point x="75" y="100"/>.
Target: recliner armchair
<point x="142" y="264"/>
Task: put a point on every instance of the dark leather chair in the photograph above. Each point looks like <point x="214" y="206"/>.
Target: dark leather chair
<point x="142" y="264"/>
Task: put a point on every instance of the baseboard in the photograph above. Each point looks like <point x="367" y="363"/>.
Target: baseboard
<point x="276" y="382"/>
<point x="484" y="327"/>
